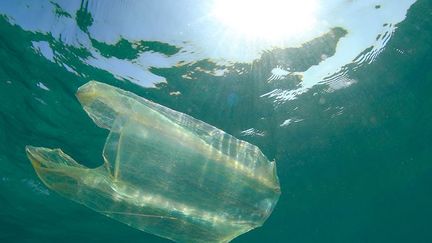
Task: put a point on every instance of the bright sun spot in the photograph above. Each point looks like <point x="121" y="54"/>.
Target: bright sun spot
<point x="269" y="20"/>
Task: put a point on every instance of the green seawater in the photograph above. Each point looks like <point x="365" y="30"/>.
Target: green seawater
<point x="354" y="163"/>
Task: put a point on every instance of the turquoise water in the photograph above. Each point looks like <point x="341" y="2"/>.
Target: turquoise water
<point x="347" y="121"/>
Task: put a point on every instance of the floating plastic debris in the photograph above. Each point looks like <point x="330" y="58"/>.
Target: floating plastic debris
<point x="165" y="172"/>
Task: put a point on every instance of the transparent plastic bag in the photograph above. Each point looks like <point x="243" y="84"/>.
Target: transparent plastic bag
<point x="165" y="172"/>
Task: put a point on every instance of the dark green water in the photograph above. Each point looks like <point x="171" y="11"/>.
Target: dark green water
<point x="354" y="166"/>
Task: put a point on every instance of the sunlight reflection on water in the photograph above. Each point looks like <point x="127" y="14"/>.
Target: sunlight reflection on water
<point x="211" y="31"/>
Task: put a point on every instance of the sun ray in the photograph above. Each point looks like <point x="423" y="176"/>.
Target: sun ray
<point x="269" y="20"/>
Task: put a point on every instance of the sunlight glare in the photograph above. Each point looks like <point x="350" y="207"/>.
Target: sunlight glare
<point x="266" y="19"/>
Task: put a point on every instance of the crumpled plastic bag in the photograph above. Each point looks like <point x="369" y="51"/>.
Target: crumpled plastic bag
<point x="164" y="172"/>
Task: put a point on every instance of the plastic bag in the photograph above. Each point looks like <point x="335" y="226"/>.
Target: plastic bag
<point x="165" y="172"/>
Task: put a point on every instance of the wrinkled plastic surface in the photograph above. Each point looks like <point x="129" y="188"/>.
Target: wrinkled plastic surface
<point x="165" y="172"/>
